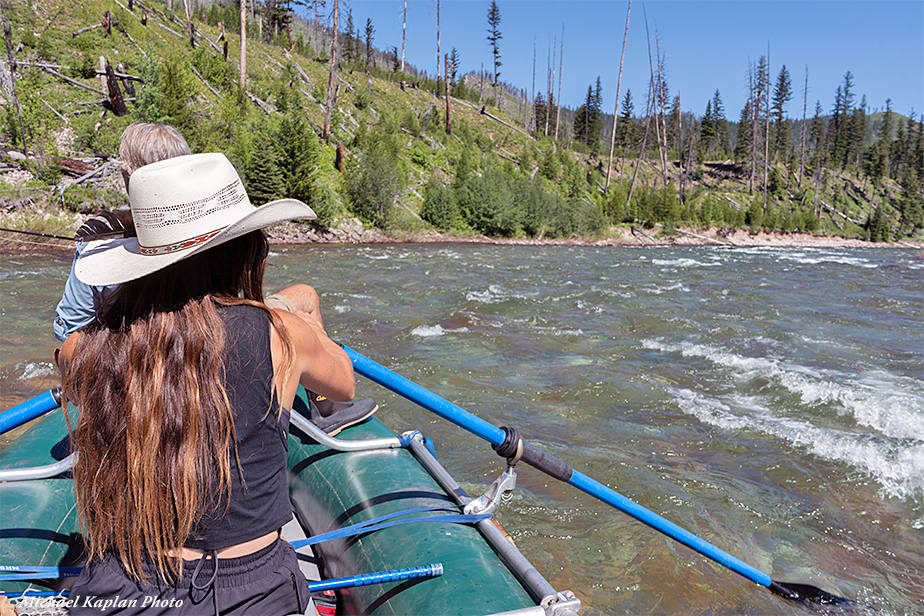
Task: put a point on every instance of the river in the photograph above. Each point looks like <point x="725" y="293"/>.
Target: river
<point x="769" y="400"/>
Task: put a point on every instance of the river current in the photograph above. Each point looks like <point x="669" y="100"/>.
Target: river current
<point x="769" y="400"/>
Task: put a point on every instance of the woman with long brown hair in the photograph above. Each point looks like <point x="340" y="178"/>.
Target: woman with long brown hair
<point x="182" y="384"/>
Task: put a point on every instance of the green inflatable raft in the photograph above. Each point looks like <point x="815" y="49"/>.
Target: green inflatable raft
<point x="385" y="499"/>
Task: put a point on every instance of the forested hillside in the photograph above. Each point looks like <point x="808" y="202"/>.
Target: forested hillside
<point x="308" y="110"/>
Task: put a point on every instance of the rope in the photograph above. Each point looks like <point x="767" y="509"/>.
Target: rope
<point x="45" y="244"/>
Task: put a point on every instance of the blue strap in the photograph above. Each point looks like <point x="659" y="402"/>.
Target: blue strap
<point x="381" y="523"/>
<point x="36" y="573"/>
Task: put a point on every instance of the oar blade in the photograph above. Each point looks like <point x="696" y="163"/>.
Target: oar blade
<point x="807" y="594"/>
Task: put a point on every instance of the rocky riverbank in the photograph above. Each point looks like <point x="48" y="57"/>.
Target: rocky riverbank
<point x="354" y="232"/>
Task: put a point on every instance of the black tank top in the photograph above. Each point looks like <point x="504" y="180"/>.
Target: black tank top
<point x="260" y="503"/>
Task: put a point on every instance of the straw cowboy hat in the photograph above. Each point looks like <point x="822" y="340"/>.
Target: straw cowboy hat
<point x="181" y="206"/>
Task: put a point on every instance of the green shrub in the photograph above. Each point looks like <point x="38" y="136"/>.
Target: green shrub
<point x="373" y="184"/>
<point x="439" y="207"/>
<point x="420" y="155"/>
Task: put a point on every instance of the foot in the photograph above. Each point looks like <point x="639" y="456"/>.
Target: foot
<point x="332" y="417"/>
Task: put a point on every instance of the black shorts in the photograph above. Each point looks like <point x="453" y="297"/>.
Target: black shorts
<point x="267" y="582"/>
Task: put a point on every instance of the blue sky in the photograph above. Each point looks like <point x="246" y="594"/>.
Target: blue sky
<point x="708" y="45"/>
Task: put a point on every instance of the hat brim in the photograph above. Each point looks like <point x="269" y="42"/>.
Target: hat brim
<point x="109" y="262"/>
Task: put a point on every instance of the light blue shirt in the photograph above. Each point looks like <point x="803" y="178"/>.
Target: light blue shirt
<point x="79" y="304"/>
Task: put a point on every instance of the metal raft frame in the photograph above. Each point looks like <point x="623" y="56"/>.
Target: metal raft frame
<point x="549" y="601"/>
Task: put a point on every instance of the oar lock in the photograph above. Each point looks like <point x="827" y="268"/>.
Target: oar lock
<point x="502" y="488"/>
<point x="511" y="448"/>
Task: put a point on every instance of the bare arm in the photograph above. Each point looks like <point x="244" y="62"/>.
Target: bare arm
<point x="319" y="365"/>
<point x="301" y="297"/>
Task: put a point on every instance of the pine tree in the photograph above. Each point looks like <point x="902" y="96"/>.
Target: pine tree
<point x="673" y="131"/>
<point x="743" y="143"/>
<point x="879" y="157"/>
<point x="264" y="179"/>
<point x="297" y="149"/>
<point x="911" y="206"/>
<point x="494" y="35"/>
<point x="842" y="135"/>
<point x="707" y="130"/>
<point x="588" y="118"/>
<point x="780" y="124"/>
<point x="722" y="137"/>
<point x="540" y="110"/>
<point x="596" y="127"/>
<point x="856" y="129"/>
<point x="454" y="63"/>
<point x="625" y="128"/>
<point x="349" y="49"/>
<point x="370" y="31"/>
<point x="818" y="135"/>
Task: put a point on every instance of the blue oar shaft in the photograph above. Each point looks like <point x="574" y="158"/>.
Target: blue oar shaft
<point x="29" y="410"/>
<point x="424" y="397"/>
<point x="611" y="497"/>
<point x="397" y="575"/>
<point x="547" y="463"/>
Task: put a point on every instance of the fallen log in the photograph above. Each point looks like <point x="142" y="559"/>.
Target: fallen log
<point x="55" y="111"/>
<point x="87" y="29"/>
<point x="74" y="168"/>
<point x="264" y="106"/>
<point x="73" y="81"/>
<point x="637" y="230"/>
<point x="702" y="237"/>
<point x="171" y="31"/>
<point x="207" y="84"/>
<point x="83" y="178"/>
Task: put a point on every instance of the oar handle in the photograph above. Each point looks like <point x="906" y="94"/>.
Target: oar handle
<point x="30" y="409"/>
<point x="547" y="463"/>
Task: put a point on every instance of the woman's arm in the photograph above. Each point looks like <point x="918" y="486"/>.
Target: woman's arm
<point x="319" y="364"/>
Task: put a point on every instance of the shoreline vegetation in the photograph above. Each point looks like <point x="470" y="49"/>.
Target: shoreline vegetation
<point x="353" y="232"/>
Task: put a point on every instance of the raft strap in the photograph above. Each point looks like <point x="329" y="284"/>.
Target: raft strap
<point x="382" y="523"/>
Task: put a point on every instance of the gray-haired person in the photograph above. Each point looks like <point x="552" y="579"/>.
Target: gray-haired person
<point x="143" y="143"/>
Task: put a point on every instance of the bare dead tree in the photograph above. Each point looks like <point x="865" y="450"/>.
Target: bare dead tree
<point x="561" y="56"/>
<point x="437" y="48"/>
<point x="448" y="122"/>
<point x="662" y="102"/>
<point x="189" y="25"/>
<point x="330" y="79"/>
<point x="11" y="62"/>
<point x="767" y="131"/>
<point x="653" y="93"/>
<point x="641" y="151"/>
<point x="804" y="116"/>
<point x="116" y="100"/>
<point x="548" y="87"/>
<point x="244" y="45"/>
<point x="622" y="59"/>
<point x="403" y="39"/>
<point x="680" y="137"/>
<point x="481" y="84"/>
<point x="754" y="107"/>
<point x="532" y="106"/>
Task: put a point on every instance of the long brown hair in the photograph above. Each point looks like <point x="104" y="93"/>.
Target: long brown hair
<point x="156" y="426"/>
